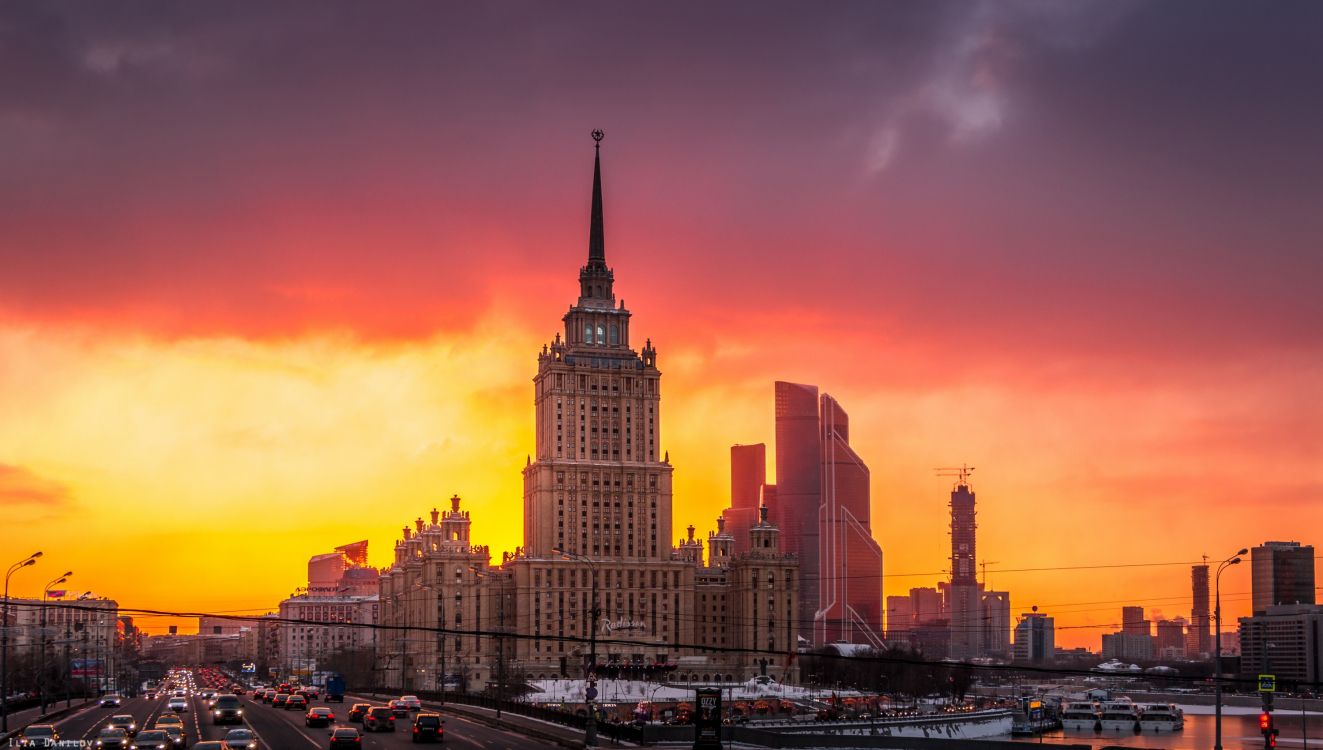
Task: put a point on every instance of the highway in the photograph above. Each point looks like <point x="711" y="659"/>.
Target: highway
<point x="278" y="729"/>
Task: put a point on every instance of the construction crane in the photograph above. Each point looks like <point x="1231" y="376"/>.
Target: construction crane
<point x="960" y="472"/>
<point x="985" y="565"/>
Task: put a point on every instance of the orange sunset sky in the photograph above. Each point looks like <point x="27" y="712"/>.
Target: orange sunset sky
<point x="276" y="280"/>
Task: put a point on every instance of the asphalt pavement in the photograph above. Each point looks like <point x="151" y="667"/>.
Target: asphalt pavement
<point x="278" y="729"/>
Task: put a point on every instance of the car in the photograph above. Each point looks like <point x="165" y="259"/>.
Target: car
<point x="319" y="716"/>
<point x="236" y="689"/>
<point x="125" y="722"/>
<point x="208" y="694"/>
<point x="357" y="710"/>
<point x="39" y="735"/>
<point x="239" y="739"/>
<point x="269" y="695"/>
<point x="176" y="732"/>
<point x="398" y="708"/>
<point x="152" y="739"/>
<point x="379" y="719"/>
<point x="296" y="701"/>
<point x="178" y="704"/>
<point x="112" y="738"/>
<point x="427" y="727"/>
<point x="165" y="721"/>
<point x="279" y="700"/>
<point x="411" y="702"/>
<point x="346" y="737"/>
<point x="111" y="699"/>
<point x="227" y="709"/>
<point x="309" y="692"/>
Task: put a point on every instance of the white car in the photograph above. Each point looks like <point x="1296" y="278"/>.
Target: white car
<point x="411" y="702"/>
<point x="178" y="704"/>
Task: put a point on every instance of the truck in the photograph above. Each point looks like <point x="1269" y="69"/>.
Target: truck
<point x="335" y="688"/>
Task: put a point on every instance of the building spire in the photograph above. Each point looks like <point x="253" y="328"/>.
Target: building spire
<point x="596" y="236"/>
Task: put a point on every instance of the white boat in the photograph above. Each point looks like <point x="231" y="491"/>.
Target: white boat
<point x="1120" y="716"/>
<point x="1161" y="717"/>
<point x="1081" y="716"/>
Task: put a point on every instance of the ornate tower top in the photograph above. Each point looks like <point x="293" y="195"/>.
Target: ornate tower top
<point x="595" y="278"/>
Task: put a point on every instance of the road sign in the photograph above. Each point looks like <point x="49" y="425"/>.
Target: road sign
<point x="1267" y="683"/>
<point x="591" y="693"/>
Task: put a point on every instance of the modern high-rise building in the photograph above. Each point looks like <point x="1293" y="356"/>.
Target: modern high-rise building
<point x="850" y="560"/>
<point x="1285" y="640"/>
<point x="927" y="605"/>
<point x="900" y="617"/>
<point x="799" y="492"/>
<point x="1169" y="642"/>
<point x="748" y="480"/>
<point x="822" y="504"/>
<point x="964" y="595"/>
<point x="1281" y="573"/>
<point x="1200" y="642"/>
<point x="996" y="623"/>
<point x="1133" y="622"/>
<point x="1035" y="639"/>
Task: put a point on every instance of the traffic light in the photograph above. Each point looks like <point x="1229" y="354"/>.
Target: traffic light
<point x="1270" y="732"/>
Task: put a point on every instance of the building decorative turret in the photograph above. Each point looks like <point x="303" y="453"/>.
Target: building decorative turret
<point x="720" y="546"/>
<point x="690" y="549"/>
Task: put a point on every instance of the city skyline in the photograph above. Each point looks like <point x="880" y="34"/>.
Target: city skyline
<point x="241" y="366"/>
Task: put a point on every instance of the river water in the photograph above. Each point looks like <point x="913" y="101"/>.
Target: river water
<point x="1238" y="733"/>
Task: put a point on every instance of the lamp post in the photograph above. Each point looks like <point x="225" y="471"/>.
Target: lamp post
<point x="4" y="651"/>
<point x="500" y="639"/>
<point x="41" y="676"/>
<point x="590" y="726"/>
<point x="1217" y="645"/>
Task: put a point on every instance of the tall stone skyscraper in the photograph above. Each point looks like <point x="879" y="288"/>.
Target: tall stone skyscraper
<point x="598" y="414"/>
<point x="821" y="503"/>
<point x="597" y="551"/>
<point x="1201" y="640"/>
<point x="965" y="605"/>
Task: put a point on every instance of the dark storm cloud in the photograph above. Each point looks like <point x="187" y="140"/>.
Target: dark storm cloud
<point x="1115" y="164"/>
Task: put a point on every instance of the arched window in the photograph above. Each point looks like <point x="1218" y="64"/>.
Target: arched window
<point x="601" y="335"/>
<point x="615" y="334"/>
<point x="588" y="333"/>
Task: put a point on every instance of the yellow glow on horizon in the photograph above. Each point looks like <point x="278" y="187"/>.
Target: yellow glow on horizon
<point x="201" y="474"/>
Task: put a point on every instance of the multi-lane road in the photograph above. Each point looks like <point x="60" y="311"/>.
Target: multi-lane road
<point x="278" y="729"/>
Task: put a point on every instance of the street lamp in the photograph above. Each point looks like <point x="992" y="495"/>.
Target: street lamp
<point x="1217" y="644"/>
<point x="41" y="677"/>
<point x="500" y="638"/>
<point x="4" y="651"/>
<point x="590" y="726"/>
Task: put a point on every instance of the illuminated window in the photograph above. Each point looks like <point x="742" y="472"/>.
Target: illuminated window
<point x="601" y="336"/>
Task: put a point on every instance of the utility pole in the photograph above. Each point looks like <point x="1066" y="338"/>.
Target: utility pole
<point x="68" y="665"/>
<point x="441" y="639"/>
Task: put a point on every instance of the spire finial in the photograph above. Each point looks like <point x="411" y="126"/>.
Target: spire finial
<point x="596" y="235"/>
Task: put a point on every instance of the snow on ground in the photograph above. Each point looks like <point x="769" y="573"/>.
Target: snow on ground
<point x="633" y="691"/>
